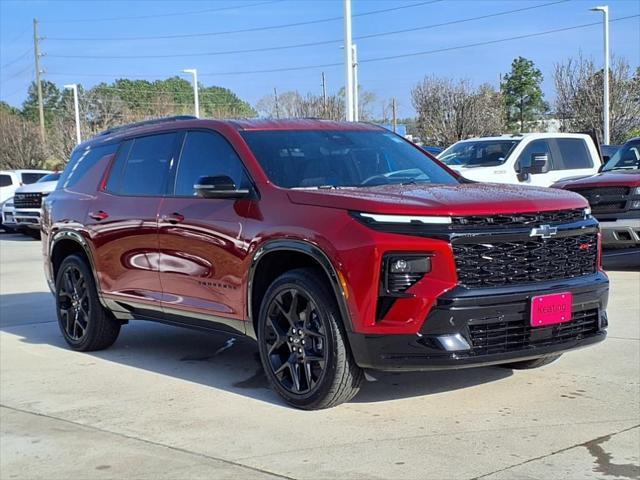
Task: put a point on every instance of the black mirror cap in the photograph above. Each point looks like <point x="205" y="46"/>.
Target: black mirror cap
<point x="218" y="186"/>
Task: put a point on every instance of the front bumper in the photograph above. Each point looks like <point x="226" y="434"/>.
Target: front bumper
<point x="470" y="328"/>
<point x="621" y="233"/>
<point x="27" y="218"/>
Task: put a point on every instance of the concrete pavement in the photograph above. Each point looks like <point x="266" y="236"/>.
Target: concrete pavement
<point x="165" y="402"/>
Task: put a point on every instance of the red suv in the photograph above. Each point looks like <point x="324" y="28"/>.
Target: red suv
<point x="339" y="247"/>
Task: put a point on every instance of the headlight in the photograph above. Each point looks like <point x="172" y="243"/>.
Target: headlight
<point x="635" y="204"/>
<point x="382" y="218"/>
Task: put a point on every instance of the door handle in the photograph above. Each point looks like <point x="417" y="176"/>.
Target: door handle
<point x="172" y="218"/>
<point x="99" y="215"/>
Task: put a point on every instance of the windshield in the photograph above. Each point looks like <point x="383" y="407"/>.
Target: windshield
<point x="31" y="177"/>
<point x="342" y="158"/>
<point x="480" y="153"/>
<point x="627" y="158"/>
<point x="52" y="177"/>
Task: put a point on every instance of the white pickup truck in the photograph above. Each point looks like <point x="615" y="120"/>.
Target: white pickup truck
<point x="539" y="159"/>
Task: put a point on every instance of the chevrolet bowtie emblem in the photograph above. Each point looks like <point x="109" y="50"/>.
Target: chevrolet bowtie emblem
<point x="544" y="231"/>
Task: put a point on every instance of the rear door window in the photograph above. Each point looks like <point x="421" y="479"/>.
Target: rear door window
<point x="142" y="166"/>
<point x="5" y="181"/>
<point x="571" y="153"/>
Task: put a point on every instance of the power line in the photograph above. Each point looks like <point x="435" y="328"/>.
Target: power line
<point x="174" y="14"/>
<point x="309" y="44"/>
<point x="242" y="30"/>
<point x="375" y="59"/>
<point x="28" y="68"/>
<point x="19" y="57"/>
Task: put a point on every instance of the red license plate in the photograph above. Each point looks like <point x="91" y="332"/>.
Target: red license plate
<point x="551" y="309"/>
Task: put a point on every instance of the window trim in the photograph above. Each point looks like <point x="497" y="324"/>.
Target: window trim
<point x="173" y="174"/>
<point x="133" y="138"/>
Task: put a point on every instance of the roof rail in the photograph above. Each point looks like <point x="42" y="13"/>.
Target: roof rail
<point x="147" y="122"/>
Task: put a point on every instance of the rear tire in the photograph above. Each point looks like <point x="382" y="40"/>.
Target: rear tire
<point x="303" y="345"/>
<point x="535" y="363"/>
<point x="85" y="324"/>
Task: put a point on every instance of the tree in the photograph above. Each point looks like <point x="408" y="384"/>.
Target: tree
<point x="523" y="95"/>
<point x="449" y="111"/>
<point x="20" y="145"/>
<point x="579" y="99"/>
<point x="51" y="97"/>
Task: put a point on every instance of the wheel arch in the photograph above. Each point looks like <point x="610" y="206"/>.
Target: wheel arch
<point x="296" y="251"/>
<point x="68" y="242"/>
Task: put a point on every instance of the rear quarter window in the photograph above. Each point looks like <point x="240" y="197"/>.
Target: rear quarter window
<point x="82" y="164"/>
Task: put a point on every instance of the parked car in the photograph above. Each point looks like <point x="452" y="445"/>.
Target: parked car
<point x="607" y="151"/>
<point x="614" y="197"/>
<point x="432" y="150"/>
<point x="10" y="180"/>
<point x="28" y="202"/>
<point x="529" y="159"/>
<point x="8" y="219"/>
<point x="339" y="247"/>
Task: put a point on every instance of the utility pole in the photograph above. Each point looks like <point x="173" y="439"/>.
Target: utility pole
<point x="348" y="62"/>
<point x="605" y="120"/>
<point x="76" y="107"/>
<point x="394" y="118"/>
<point x="196" y="97"/>
<point x="324" y="96"/>
<point x="275" y="95"/>
<point x="36" y="50"/>
<point x="356" y="113"/>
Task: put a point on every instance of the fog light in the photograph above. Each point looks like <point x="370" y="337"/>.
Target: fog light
<point x="401" y="271"/>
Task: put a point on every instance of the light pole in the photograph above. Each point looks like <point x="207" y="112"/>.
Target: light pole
<point x="605" y="10"/>
<point x="196" y="100"/>
<point x="355" y="83"/>
<point x="74" y="87"/>
<point x="348" y="62"/>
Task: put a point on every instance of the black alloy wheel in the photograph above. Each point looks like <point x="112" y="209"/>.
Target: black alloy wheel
<point x="296" y="341"/>
<point x="85" y="324"/>
<point x="73" y="303"/>
<point x="303" y="344"/>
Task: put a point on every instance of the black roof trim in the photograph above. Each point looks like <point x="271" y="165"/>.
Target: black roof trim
<point x="147" y="122"/>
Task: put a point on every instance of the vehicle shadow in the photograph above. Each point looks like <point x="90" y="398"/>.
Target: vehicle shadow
<point x="15" y="237"/>
<point x="214" y="360"/>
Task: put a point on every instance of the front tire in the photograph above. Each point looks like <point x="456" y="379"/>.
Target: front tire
<point x="535" y="363"/>
<point x="302" y="343"/>
<point x="85" y="324"/>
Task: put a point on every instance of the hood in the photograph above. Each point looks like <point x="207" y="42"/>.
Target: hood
<point x="42" y="187"/>
<point x="614" y="178"/>
<point x="454" y="200"/>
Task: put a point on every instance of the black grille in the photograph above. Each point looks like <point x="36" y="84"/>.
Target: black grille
<point x="504" y="336"/>
<point x="520" y="219"/>
<point x="606" y="199"/>
<point x="27" y="200"/>
<point x="525" y="261"/>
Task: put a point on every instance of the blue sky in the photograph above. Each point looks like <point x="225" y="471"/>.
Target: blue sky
<point x="390" y="78"/>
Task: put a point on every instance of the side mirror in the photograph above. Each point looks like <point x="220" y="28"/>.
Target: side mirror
<point x="220" y="186"/>
<point x="539" y="163"/>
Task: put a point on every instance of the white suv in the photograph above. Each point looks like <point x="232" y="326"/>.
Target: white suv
<point x="12" y="179"/>
<point x="27" y="202"/>
<point x="539" y="159"/>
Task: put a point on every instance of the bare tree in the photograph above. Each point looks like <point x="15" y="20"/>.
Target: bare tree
<point x="449" y="111"/>
<point x="20" y="145"/>
<point x="579" y="100"/>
